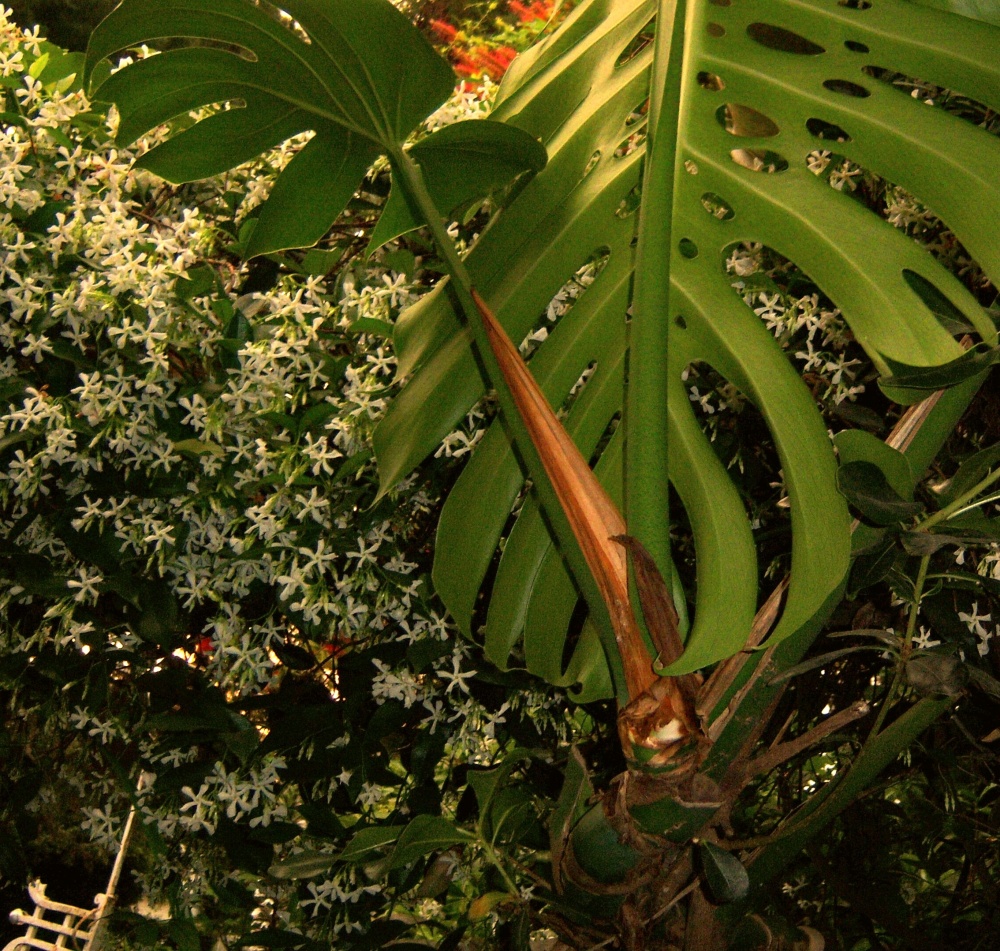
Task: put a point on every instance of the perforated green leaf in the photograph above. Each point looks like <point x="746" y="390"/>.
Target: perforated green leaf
<point x="760" y="81"/>
<point x="313" y="68"/>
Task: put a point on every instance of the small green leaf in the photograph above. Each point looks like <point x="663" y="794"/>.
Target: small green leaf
<point x="426" y="834"/>
<point x="199" y="447"/>
<point x="823" y="659"/>
<point x="983" y="681"/>
<point x="970" y="473"/>
<point x="371" y="325"/>
<point x="159" y="614"/>
<point x="421" y="654"/>
<point x="872" y="564"/>
<point x="184" y="934"/>
<point x="727" y="878"/>
<point x="307" y="864"/>
<point x="238" y="328"/>
<point x="487" y="782"/>
<point x="180" y="723"/>
<point x="294" y="657"/>
<point x="277" y="833"/>
<point x="933" y="674"/>
<point x="866" y="488"/>
<point x="855" y="445"/>
<point x="926" y="543"/>
<point x="273" y="938"/>
<point x="320" y="262"/>
<point x="975" y="360"/>
<point x="368" y="843"/>
<point x="889" y="638"/>
<point x="461" y="163"/>
<point x="43" y="218"/>
<point x="200" y="281"/>
<point x="486" y="904"/>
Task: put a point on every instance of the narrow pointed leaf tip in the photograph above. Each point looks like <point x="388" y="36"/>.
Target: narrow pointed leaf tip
<point x="593" y="517"/>
<point x="311" y="66"/>
<point x="659" y="719"/>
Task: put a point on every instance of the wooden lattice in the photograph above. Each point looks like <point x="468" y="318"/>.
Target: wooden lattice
<point x="53" y="925"/>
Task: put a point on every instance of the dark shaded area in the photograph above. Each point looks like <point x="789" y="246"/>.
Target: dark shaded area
<point x="67" y="23"/>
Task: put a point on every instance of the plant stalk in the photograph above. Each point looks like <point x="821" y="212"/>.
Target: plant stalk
<point x="594" y="562"/>
<point x="647" y="487"/>
<point x="962" y="504"/>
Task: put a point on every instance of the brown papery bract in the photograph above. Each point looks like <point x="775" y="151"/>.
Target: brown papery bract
<point x="598" y="527"/>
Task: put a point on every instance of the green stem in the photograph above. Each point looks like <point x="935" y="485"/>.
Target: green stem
<point x="494" y="859"/>
<point x="918" y="592"/>
<point x="961" y="504"/>
<point x="645" y="419"/>
<point x="897" y="676"/>
<point x="992" y="497"/>
<point x="408" y="175"/>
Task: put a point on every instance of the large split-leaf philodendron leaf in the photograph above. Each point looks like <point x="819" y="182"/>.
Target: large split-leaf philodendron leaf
<point x="759" y="80"/>
<point x="356" y="73"/>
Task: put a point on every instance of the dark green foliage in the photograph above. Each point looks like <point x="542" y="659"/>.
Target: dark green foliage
<point x="67" y="23"/>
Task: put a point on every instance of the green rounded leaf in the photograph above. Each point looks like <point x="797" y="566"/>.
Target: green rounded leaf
<point x="303" y="865"/>
<point x="461" y="163"/>
<point x="426" y="834"/>
<point x="727" y="878"/>
<point x="866" y="488"/>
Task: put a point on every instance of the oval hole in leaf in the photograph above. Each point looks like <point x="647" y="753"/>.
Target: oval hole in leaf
<point x="776" y="38"/>
<point x="630" y="203"/>
<point x="605" y="439"/>
<point x="855" y="4"/>
<point x="746" y="122"/>
<point x="637" y="44"/>
<point x="759" y="160"/>
<point x="638" y="114"/>
<point x="716" y="29"/>
<point x="721" y="3"/>
<point x="243" y="52"/>
<point x="855" y="47"/>
<point x="710" y="81"/>
<point x="279" y="16"/>
<point x="688" y="248"/>
<point x="972" y="112"/>
<point x="629" y="145"/>
<point x="846" y="88"/>
<point x="591" y="164"/>
<point x="827" y="130"/>
<point x="577" y="388"/>
<point x="690" y="167"/>
<point x="717" y="206"/>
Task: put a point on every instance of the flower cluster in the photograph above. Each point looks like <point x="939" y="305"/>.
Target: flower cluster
<point x="192" y="527"/>
<point x="486" y="58"/>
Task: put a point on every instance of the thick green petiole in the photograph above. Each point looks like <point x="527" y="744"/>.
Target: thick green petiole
<point x="569" y="511"/>
<point x="646" y="420"/>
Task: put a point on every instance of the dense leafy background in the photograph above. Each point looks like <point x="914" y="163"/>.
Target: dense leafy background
<point x="200" y="587"/>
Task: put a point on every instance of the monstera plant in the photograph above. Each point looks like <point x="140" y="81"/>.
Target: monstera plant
<point x="653" y="158"/>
